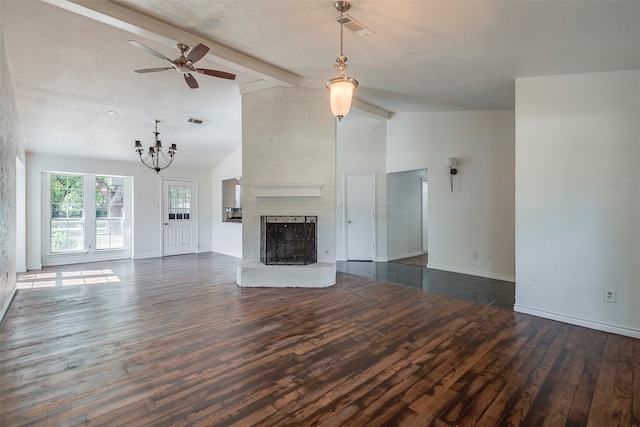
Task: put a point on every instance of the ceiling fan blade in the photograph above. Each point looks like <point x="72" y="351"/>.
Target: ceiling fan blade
<point x="152" y="70"/>
<point x="191" y="81"/>
<point x="148" y="50"/>
<point x="197" y="53"/>
<point x="216" y="73"/>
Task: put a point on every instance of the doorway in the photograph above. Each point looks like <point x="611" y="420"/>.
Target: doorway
<point x="180" y="217"/>
<point x="407" y="231"/>
<point x="360" y="216"/>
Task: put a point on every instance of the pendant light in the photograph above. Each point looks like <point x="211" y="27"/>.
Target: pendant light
<point x="341" y="87"/>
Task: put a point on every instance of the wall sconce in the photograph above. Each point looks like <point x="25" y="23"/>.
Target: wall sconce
<point x="452" y="164"/>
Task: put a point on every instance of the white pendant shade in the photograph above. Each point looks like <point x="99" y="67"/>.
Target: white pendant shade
<point x="340" y="95"/>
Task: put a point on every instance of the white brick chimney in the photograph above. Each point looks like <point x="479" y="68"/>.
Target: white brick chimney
<point x="288" y="168"/>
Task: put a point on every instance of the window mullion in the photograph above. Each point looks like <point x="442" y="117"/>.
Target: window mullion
<point x="90" y="212"/>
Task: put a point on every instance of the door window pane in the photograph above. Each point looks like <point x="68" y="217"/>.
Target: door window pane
<point x="179" y="202"/>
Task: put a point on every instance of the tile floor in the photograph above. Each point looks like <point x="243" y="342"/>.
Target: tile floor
<point x="497" y="293"/>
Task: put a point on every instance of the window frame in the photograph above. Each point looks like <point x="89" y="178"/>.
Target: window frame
<point x="109" y="219"/>
<point x="88" y="253"/>
<point x="67" y="218"/>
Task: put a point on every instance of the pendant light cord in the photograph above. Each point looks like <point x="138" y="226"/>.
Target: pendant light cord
<point x="341" y="32"/>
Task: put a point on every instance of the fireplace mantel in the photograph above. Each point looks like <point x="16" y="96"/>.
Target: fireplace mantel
<point x="287" y="190"/>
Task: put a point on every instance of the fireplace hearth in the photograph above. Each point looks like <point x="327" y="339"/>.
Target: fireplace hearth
<point x="288" y="239"/>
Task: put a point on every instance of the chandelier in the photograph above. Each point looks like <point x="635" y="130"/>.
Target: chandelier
<point x="341" y="87"/>
<point x="156" y="159"/>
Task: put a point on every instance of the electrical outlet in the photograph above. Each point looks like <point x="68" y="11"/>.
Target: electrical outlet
<point x="609" y="295"/>
<point x="487" y="257"/>
<point x="474" y="255"/>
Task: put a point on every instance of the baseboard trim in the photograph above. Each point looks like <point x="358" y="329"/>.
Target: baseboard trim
<point x="486" y="274"/>
<point x="412" y="254"/>
<point x="598" y="326"/>
<point x="7" y="304"/>
<point x="34" y="267"/>
<point x="147" y="256"/>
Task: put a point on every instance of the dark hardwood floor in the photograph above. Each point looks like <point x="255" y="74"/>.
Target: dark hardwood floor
<point x="174" y="341"/>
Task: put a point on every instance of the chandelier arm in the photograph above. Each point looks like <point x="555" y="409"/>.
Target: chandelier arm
<point x="144" y="161"/>
<point x="167" y="160"/>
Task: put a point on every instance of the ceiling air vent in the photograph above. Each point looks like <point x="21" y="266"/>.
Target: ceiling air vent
<point x="354" y="25"/>
<point x="195" y="121"/>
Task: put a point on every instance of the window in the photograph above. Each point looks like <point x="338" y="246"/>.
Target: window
<point x="109" y="212"/>
<point x="87" y="217"/>
<point x="179" y="202"/>
<point x="67" y="213"/>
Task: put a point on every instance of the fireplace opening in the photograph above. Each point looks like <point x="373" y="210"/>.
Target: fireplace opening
<point x="288" y="240"/>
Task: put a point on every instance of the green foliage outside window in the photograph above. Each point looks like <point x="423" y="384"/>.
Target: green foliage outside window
<point x="67" y="213"/>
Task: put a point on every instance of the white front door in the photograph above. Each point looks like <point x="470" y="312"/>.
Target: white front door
<point x="180" y="217"/>
<point x="360" y="215"/>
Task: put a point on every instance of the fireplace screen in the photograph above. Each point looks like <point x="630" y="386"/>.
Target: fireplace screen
<point x="288" y="240"/>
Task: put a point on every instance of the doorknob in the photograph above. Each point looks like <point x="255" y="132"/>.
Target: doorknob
<point x="166" y="223"/>
<point x="349" y="222"/>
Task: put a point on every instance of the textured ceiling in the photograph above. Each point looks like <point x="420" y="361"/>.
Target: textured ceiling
<point x="71" y="66"/>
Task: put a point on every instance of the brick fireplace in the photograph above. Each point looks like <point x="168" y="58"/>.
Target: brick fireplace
<point x="288" y="170"/>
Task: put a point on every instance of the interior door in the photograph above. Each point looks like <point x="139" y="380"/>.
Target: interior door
<point x="180" y="222"/>
<point x="360" y="216"/>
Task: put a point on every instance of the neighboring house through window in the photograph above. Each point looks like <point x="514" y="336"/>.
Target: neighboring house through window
<point x="109" y="212"/>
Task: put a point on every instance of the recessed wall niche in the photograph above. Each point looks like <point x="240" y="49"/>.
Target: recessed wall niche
<point x="231" y="206"/>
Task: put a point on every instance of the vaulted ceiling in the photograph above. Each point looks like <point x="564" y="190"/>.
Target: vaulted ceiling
<point x="70" y="61"/>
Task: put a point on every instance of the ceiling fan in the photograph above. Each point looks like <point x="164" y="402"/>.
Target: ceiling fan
<point x="184" y="64"/>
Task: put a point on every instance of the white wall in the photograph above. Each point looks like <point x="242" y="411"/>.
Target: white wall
<point x="227" y="236"/>
<point x="361" y="147"/>
<point x="479" y="215"/>
<point x="147" y="234"/>
<point x="404" y="213"/>
<point x="578" y="198"/>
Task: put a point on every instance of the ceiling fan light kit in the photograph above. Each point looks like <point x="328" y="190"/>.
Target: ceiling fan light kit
<point x="341" y="87"/>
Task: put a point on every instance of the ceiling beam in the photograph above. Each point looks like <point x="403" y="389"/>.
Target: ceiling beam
<point x="150" y="28"/>
<point x="153" y="29"/>
<point x="371" y="109"/>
